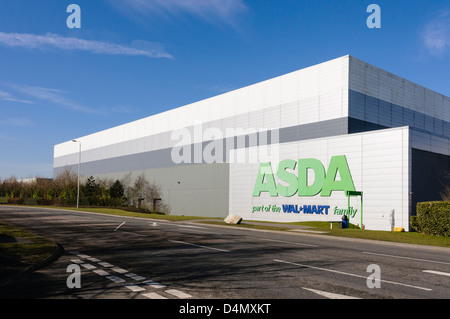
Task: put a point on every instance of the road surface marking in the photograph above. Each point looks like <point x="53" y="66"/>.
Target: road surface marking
<point x="135" y="277"/>
<point x="119" y="270"/>
<point x="88" y="266"/>
<point x="115" y="279"/>
<point x="154" y="284"/>
<point x="134" y="288"/>
<point x="410" y="258"/>
<point x="200" y="246"/>
<point x="101" y="272"/>
<point x="94" y="260"/>
<point x="105" y="264"/>
<point x="437" y="272"/>
<point x="119" y="226"/>
<point x="153" y="295"/>
<point x="178" y="293"/>
<point x="349" y="274"/>
<point x="330" y="295"/>
<point x="190" y="226"/>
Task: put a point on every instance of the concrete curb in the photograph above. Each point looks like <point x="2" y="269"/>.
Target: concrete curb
<point x="57" y="252"/>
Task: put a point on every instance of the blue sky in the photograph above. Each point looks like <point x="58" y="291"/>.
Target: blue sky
<point x="134" y="58"/>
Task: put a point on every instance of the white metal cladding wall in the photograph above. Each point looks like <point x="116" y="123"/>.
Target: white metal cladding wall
<point x="317" y="93"/>
<point x="390" y="100"/>
<point x="379" y="164"/>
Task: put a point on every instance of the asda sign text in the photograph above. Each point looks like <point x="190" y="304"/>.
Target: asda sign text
<point x="336" y="177"/>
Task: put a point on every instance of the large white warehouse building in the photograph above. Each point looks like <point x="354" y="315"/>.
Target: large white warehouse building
<point x="288" y="149"/>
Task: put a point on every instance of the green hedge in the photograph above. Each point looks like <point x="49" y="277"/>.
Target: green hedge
<point x="433" y="218"/>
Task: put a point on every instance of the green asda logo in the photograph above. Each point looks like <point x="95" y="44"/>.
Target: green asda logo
<point x="325" y="182"/>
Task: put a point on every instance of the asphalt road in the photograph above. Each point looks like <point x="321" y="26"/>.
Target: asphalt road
<point x="133" y="258"/>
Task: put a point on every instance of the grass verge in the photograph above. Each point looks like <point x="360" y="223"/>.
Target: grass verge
<point x="126" y="213"/>
<point x="20" y="249"/>
<point x="352" y="232"/>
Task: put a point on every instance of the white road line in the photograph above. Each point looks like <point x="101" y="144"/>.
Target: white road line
<point x="284" y="242"/>
<point x="154" y="284"/>
<point x="409" y="258"/>
<point x="153" y="295"/>
<point x="349" y="274"/>
<point x="200" y="246"/>
<point x="83" y="256"/>
<point x="437" y="272"/>
<point x="119" y="270"/>
<point x="159" y="224"/>
<point x="105" y="264"/>
<point x="330" y="295"/>
<point x="135" y="277"/>
<point x="94" y="260"/>
<point x="115" y="279"/>
<point x="178" y="293"/>
<point x="119" y="226"/>
<point x="101" y="272"/>
<point x="88" y="266"/>
<point x="77" y="261"/>
<point x="134" y="288"/>
<point x="190" y="226"/>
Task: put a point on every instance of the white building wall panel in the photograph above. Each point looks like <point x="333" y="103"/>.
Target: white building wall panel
<point x="272" y="117"/>
<point x="329" y="77"/>
<point x="309" y="110"/>
<point x="289" y="87"/>
<point x="289" y="114"/>
<point x="383" y="179"/>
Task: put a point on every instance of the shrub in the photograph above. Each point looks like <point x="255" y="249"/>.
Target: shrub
<point x="31" y="201"/>
<point x="433" y="218"/>
<point x="116" y="190"/>
<point x="15" y="201"/>
<point x="44" y="201"/>
<point x="414" y="224"/>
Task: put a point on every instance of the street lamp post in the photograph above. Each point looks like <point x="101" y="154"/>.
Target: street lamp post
<point x="79" y="163"/>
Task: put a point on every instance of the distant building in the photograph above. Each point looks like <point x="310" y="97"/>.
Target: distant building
<point x="35" y="180"/>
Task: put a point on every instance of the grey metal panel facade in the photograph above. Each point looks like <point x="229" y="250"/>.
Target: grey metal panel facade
<point x="163" y="157"/>
<point x="191" y="190"/>
<point x="385" y="114"/>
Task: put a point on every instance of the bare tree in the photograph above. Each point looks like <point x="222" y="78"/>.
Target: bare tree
<point x="143" y="193"/>
<point x="62" y="190"/>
